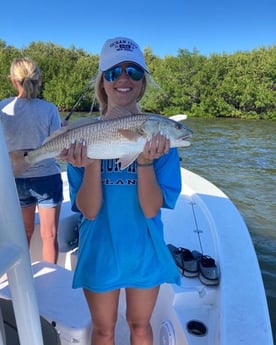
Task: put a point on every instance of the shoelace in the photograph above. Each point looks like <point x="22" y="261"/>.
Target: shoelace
<point x="207" y="261"/>
<point x="186" y="254"/>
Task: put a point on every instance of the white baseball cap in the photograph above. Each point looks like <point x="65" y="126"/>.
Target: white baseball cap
<point x="121" y="49"/>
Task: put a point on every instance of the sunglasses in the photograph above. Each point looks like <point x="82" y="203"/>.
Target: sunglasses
<point x="134" y="72"/>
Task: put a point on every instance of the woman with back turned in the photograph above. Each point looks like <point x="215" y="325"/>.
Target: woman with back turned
<point x="121" y="241"/>
<point x="27" y="121"/>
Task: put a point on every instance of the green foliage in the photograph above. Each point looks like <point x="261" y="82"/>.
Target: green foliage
<point x="7" y="54"/>
<point x="66" y="72"/>
<point x="241" y="85"/>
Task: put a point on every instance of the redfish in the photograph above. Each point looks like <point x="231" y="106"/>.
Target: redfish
<point x="123" y="138"/>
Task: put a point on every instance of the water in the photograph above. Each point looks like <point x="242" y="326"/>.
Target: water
<point x="239" y="157"/>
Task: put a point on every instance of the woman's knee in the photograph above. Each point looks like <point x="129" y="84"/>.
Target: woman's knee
<point x="106" y="332"/>
<point x="140" y="329"/>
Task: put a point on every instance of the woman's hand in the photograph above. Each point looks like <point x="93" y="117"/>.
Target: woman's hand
<point x="154" y="148"/>
<point x="76" y="155"/>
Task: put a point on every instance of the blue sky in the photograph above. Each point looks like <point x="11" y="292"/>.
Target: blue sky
<point x="214" y="26"/>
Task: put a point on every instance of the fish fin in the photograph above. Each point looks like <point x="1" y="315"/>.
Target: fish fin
<point x="83" y="122"/>
<point x="126" y="160"/>
<point x="74" y="125"/>
<point x="130" y="135"/>
<point x="116" y="112"/>
<point x="19" y="161"/>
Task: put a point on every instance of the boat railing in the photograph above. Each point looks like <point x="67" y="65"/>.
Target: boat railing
<point x="15" y="259"/>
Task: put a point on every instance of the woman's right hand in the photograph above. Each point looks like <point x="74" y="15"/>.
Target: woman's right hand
<point x="76" y="155"/>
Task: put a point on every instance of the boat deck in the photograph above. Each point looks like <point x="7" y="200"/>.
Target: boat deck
<point x="191" y="314"/>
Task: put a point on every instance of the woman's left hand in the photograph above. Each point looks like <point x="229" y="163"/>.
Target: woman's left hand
<point x="155" y="148"/>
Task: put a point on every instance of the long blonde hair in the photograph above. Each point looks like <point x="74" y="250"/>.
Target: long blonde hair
<point x="27" y="73"/>
<point x="102" y="96"/>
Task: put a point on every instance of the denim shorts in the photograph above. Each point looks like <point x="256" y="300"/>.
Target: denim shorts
<point x="46" y="191"/>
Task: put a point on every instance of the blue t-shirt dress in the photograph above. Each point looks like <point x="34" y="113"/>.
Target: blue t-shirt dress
<point x="121" y="248"/>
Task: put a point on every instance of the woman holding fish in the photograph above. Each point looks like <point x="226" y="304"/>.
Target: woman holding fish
<point x="27" y="121"/>
<point x="121" y="241"/>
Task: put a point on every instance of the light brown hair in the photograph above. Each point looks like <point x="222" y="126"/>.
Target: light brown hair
<point x="27" y="73"/>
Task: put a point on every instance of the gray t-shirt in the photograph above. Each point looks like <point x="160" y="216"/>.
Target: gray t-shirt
<point x="26" y="124"/>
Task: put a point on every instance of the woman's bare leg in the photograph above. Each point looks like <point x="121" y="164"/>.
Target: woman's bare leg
<point x="140" y="305"/>
<point x="103" y="308"/>
<point x="49" y="218"/>
<point x="28" y="214"/>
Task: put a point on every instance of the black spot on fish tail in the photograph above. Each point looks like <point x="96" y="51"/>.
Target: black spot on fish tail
<point x="18" y="161"/>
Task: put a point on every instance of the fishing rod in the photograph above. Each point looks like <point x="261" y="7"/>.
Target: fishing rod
<point x="80" y="99"/>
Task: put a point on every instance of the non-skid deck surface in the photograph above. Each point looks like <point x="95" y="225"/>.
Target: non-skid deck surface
<point x="189" y="226"/>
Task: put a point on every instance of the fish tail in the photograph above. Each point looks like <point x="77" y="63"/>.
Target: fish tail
<point x="19" y="162"/>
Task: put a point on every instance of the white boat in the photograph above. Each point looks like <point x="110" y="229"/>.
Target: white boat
<point x="234" y="312"/>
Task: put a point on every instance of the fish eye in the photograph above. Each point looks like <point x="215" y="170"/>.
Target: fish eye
<point x="178" y="125"/>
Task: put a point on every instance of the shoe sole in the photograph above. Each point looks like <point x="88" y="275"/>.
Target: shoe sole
<point x="206" y="281"/>
<point x="190" y="274"/>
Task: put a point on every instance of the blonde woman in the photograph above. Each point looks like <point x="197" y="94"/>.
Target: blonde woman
<point x="27" y="121"/>
<point x="121" y="241"/>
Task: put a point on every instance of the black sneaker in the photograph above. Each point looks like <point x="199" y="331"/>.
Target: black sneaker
<point x="185" y="260"/>
<point x="208" y="271"/>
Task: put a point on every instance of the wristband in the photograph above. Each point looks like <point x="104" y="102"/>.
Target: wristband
<point x="144" y="165"/>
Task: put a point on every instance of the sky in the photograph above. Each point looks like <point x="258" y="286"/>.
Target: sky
<point x="214" y="26"/>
